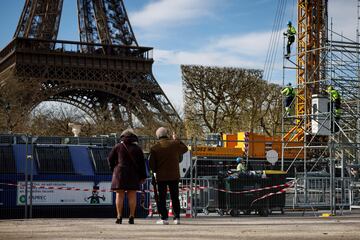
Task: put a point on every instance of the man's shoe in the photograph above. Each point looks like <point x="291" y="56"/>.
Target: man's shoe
<point x="131" y="220"/>
<point x="163" y="222"/>
<point x="118" y="221"/>
<point x="177" y="221"/>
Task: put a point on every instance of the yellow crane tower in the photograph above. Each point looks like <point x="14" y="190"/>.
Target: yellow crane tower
<point x="312" y="15"/>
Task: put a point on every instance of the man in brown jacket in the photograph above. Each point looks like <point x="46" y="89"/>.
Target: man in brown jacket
<point x="164" y="162"/>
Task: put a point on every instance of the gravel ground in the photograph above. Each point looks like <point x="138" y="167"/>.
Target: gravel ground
<point x="289" y="226"/>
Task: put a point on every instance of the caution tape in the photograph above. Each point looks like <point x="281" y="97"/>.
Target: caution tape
<point x="182" y="189"/>
<point x="272" y="194"/>
<point x="255" y="190"/>
<point x="56" y="188"/>
<point x="218" y="165"/>
<point x="286" y="185"/>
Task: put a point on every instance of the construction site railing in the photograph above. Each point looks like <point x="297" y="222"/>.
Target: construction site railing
<point x="194" y="196"/>
<point x="315" y="192"/>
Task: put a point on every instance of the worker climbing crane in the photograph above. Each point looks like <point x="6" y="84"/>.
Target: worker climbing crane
<point x="311" y="40"/>
<point x="290" y="33"/>
<point x="289" y="94"/>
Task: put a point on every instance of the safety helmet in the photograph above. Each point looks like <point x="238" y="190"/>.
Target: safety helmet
<point x="289" y="23"/>
<point x="329" y="89"/>
<point x="289" y="84"/>
<point x="239" y="159"/>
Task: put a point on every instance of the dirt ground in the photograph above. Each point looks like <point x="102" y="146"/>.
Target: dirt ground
<point x="289" y="226"/>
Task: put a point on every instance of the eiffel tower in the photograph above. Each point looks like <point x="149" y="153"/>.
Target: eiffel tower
<point x="106" y="71"/>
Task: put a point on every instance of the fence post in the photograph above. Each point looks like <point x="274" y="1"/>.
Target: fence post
<point x="26" y="138"/>
<point x="192" y="170"/>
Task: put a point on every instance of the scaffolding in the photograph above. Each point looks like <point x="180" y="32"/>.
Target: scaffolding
<point x="324" y="58"/>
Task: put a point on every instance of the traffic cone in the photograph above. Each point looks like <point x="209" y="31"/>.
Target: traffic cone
<point x="188" y="209"/>
<point x="150" y="210"/>
<point x="170" y="213"/>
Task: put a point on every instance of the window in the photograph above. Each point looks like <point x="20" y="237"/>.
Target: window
<point x="98" y="156"/>
<point x="7" y="160"/>
<point x="52" y="159"/>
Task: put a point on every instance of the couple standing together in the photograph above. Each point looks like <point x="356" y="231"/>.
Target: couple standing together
<point x="128" y="165"/>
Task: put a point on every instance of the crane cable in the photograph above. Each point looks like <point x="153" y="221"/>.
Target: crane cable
<point x="274" y="40"/>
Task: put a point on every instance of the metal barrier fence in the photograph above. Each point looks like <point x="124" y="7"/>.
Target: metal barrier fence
<point x="309" y="192"/>
<point x="315" y="192"/>
<point x="354" y="195"/>
<point x="52" y="197"/>
<point x="194" y="196"/>
<point x="203" y="187"/>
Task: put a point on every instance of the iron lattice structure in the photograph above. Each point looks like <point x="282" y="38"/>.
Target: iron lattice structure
<point x="105" y="74"/>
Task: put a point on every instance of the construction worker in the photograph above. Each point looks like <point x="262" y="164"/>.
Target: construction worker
<point x="241" y="165"/>
<point x="290" y="33"/>
<point x="289" y="94"/>
<point x="335" y="100"/>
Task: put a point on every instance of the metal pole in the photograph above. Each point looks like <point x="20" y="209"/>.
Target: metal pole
<point x="305" y="124"/>
<point x="195" y="192"/>
<point x="31" y="158"/>
<point x="332" y="169"/>
<point x="342" y="178"/>
<point x="358" y="85"/>
<point x="332" y="122"/>
<point x="191" y="176"/>
<point x="282" y="112"/>
<point x="26" y="177"/>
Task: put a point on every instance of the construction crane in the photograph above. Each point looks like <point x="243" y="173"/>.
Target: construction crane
<point x="312" y="21"/>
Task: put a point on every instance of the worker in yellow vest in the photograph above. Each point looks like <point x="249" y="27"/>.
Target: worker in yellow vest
<point x="290" y="33"/>
<point x="289" y="94"/>
<point x="335" y="100"/>
<point x="241" y="167"/>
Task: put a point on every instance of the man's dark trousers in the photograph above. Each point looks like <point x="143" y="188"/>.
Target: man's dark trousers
<point x="174" y="194"/>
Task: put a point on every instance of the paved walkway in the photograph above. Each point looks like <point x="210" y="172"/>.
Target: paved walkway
<point x="289" y="226"/>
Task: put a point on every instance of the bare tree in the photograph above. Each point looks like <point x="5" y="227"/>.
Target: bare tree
<point x="13" y="103"/>
<point x="229" y="100"/>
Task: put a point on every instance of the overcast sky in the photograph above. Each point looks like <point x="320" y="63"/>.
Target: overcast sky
<point x="232" y="33"/>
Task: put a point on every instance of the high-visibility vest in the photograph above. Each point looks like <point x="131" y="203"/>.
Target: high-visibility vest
<point x="241" y="167"/>
<point x="288" y="91"/>
<point x="334" y="94"/>
<point x="291" y="31"/>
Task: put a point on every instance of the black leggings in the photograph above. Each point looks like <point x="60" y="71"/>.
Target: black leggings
<point x="174" y="194"/>
<point x="291" y="39"/>
<point x="288" y="100"/>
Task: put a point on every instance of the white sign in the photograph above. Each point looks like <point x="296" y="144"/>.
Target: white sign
<point x="49" y="193"/>
<point x="183" y="198"/>
<point x="272" y="156"/>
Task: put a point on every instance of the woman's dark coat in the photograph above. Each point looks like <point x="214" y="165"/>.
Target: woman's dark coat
<point x="127" y="163"/>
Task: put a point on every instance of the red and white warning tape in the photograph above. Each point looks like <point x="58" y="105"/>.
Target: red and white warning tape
<point x="219" y="165"/>
<point x="55" y="188"/>
<point x="276" y="193"/>
<point x="286" y="185"/>
<point x="246" y="148"/>
<point x="184" y="188"/>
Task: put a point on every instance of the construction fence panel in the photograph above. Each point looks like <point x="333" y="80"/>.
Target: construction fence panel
<point x="315" y="192"/>
<point x="194" y="196"/>
<point x="355" y="195"/>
